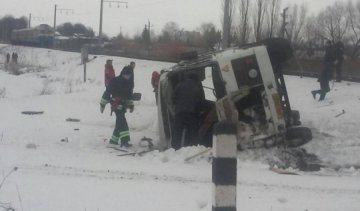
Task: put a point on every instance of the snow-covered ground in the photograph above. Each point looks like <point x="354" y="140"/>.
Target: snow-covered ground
<point x="64" y="165"/>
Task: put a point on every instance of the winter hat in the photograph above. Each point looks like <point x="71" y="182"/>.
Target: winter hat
<point x="155" y="74"/>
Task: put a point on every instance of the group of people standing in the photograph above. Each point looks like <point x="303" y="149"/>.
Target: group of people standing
<point x="188" y="99"/>
<point x="118" y="92"/>
<point x="333" y="58"/>
<point x="14" y="58"/>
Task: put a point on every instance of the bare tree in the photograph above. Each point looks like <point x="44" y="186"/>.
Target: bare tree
<point x="258" y="18"/>
<point x="354" y="27"/>
<point x="170" y="31"/>
<point x="311" y="31"/>
<point x="272" y="17"/>
<point x="244" y="21"/>
<point x="333" y="22"/>
<point x="8" y="23"/>
<point x="231" y="18"/>
<point x="210" y="34"/>
<point x="297" y="23"/>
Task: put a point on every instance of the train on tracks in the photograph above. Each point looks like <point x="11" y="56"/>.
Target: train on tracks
<point x="38" y="36"/>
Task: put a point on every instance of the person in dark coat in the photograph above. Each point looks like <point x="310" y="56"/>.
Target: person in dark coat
<point x="109" y="72"/>
<point x="326" y="72"/>
<point x="7" y="58"/>
<point x="188" y="99"/>
<point x="118" y="93"/>
<point x="16" y="58"/>
<point x="339" y="54"/>
<point x="131" y="68"/>
<point x="155" y="78"/>
<point x="13" y="57"/>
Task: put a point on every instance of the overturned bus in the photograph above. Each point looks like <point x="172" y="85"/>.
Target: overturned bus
<point x="241" y="84"/>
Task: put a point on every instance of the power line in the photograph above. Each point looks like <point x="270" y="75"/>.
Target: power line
<point x="152" y="4"/>
<point x="101" y="12"/>
<point x="60" y="10"/>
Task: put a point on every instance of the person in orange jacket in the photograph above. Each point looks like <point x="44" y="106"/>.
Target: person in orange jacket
<point x="155" y="78"/>
<point x="109" y="72"/>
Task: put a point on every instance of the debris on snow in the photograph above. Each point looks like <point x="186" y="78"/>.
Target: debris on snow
<point x="72" y="120"/>
<point x="32" y="112"/>
<point x="31" y="146"/>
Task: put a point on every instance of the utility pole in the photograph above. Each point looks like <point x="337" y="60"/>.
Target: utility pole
<point x="149" y="26"/>
<point x="29" y="22"/>
<point x="149" y="31"/>
<point x="101" y="13"/>
<point x="226" y="27"/>
<point x="284" y="23"/>
<point x="101" y="19"/>
<point x="61" y="10"/>
<point x="55" y="9"/>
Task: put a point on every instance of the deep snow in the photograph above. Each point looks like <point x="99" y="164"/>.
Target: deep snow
<point x="66" y="166"/>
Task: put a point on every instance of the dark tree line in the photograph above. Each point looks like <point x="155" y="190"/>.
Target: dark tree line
<point x="69" y="29"/>
<point x="8" y="23"/>
<point x="206" y="36"/>
<point x="256" y="20"/>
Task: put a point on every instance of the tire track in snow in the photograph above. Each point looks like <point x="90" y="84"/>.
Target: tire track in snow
<point x="68" y="171"/>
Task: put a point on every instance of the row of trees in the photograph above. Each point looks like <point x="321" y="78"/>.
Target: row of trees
<point x="255" y="20"/>
<point x="206" y="36"/>
<point x="9" y="23"/>
<point x="69" y="29"/>
<point x="251" y="21"/>
<point x="340" y="21"/>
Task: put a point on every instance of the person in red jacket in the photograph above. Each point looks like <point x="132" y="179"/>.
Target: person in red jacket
<point x="155" y="77"/>
<point x="109" y="72"/>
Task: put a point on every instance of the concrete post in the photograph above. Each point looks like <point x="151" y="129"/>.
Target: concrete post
<point x="224" y="167"/>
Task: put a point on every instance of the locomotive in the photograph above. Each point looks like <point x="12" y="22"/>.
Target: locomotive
<point x="39" y="36"/>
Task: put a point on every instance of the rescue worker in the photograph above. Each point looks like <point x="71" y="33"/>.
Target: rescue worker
<point x="109" y="72"/>
<point x="326" y="72"/>
<point x="188" y="100"/>
<point x="118" y="93"/>
<point x="131" y="68"/>
<point x="155" y="78"/>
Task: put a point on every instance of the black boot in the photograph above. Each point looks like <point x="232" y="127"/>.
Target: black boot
<point x="314" y="94"/>
<point x="125" y="144"/>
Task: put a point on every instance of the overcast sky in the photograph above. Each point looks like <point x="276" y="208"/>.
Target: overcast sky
<point x="189" y="14"/>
